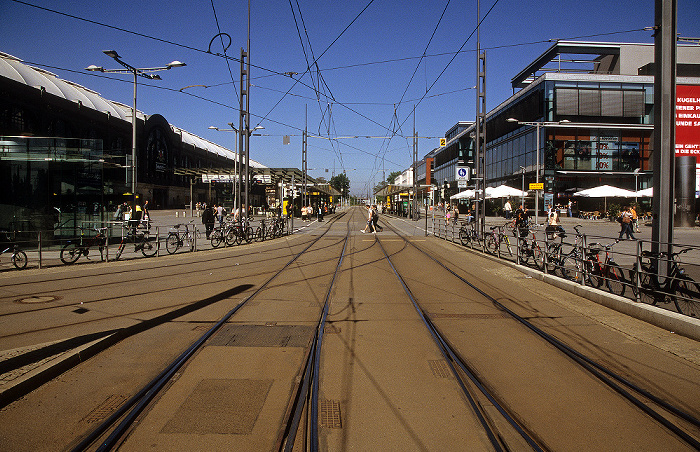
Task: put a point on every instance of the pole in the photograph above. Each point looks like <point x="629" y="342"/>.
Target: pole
<point x="664" y="125"/>
<point x="537" y="176"/>
<point x="133" y="146"/>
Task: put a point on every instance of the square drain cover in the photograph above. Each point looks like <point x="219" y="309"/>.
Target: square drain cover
<point x="229" y="406"/>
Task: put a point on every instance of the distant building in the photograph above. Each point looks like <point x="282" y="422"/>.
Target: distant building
<point x="595" y="104"/>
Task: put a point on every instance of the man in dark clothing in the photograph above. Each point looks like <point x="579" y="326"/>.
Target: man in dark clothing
<point x="522" y="221"/>
<point x="208" y="219"/>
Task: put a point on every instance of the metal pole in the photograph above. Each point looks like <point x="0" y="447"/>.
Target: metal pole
<point x="664" y="124"/>
<point x="133" y="145"/>
<point x="537" y="176"/>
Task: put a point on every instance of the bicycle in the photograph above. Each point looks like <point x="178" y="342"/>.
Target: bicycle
<point x="18" y="257"/>
<point x="467" y="233"/>
<point x="73" y="249"/>
<point x="142" y="241"/>
<point x="531" y="249"/>
<point x="607" y="271"/>
<point x="677" y="286"/>
<point x="570" y="264"/>
<point x="496" y="238"/>
<point x="177" y="239"/>
<point x="217" y="237"/>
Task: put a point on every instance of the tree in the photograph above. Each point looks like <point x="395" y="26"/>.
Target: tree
<point x="341" y="183"/>
<point x="392" y="177"/>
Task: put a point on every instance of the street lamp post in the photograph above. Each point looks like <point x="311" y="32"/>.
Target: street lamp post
<point x="137" y="72"/>
<point x="238" y="169"/>
<point x="522" y="186"/>
<point x="537" y="124"/>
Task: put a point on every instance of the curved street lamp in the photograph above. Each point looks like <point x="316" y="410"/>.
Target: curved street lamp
<point x="137" y="72"/>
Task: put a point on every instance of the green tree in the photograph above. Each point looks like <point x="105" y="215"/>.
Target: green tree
<point x="392" y="177"/>
<point x="341" y="183"/>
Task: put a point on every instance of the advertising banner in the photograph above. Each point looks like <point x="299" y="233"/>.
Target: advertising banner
<point x="687" y="120"/>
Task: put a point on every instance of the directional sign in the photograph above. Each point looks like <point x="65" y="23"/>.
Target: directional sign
<point x="462" y="173"/>
<point x="535" y="186"/>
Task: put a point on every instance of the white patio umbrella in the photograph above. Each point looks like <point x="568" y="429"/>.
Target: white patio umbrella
<point x="464" y="194"/>
<point x="504" y="191"/>
<point x="606" y="191"/>
<point x="646" y="193"/>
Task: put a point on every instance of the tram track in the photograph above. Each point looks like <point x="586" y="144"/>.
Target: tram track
<point x="120" y="421"/>
<point x="679" y="423"/>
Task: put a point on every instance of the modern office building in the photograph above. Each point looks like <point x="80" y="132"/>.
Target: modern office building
<point x="592" y="105"/>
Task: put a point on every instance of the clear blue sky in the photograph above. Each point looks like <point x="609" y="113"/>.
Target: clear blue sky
<point x="372" y="74"/>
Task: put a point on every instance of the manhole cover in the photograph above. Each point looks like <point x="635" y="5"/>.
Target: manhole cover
<point x="44" y="299"/>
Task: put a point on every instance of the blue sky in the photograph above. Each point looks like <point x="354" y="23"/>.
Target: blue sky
<point x="372" y="73"/>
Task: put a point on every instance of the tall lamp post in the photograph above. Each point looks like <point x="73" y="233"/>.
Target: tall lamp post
<point x="137" y="72"/>
<point x="239" y="170"/>
<point x="522" y="186"/>
<point x="537" y="124"/>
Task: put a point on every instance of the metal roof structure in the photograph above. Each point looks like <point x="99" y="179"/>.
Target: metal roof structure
<point x="14" y="69"/>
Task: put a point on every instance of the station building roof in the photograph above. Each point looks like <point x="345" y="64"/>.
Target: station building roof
<point x="14" y="69"/>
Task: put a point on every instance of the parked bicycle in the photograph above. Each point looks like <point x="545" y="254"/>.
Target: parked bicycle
<point x="497" y="241"/>
<point x="17" y="256"/>
<point x="677" y="286"/>
<point x="569" y="265"/>
<point x="142" y="241"/>
<point x="178" y="238"/>
<point x="529" y="247"/>
<point x="467" y="233"/>
<point x="607" y="271"/>
<point x="73" y="249"/>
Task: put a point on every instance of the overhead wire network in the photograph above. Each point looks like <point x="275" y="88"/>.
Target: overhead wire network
<point x="321" y="90"/>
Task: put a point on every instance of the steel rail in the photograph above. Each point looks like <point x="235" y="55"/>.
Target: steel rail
<point x="312" y="370"/>
<point x="598" y="370"/>
<point x="147" y="393"/>
<point x="451" y="358"/>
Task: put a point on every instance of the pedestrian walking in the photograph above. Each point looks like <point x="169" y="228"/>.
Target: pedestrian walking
<point x="375" y="219"/>
<point x="625" y="219"/>
<point x="370" y="223"/>
<point x="208" y="220"/>
<point x="635" y="219"/>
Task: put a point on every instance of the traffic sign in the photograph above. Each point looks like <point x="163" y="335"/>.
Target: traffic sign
<point x="535" y="186"/>
<point x="462" y="173"/>
<point x="443" y="142"/>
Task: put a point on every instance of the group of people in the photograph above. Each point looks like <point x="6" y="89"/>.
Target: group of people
<point x="372" y="219"/>
<point x="629" y="222"/>
<point x="135" y="215"/>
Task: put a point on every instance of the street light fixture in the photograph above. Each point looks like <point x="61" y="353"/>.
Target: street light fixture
<point x="537" y="124"/>
<point x="137" y="72"/>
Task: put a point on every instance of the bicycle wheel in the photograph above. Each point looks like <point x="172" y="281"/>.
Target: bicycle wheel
<point x="259" y="234"/>
<point x="172" y="243"/>
<point x="216" y="238"/>
<point x="464" y="236"/>
<point x="595" y="276"/>
<point x="150" y="246"/>
<point x="537" y="255"/>
<point x="492" y="244"/>
<point x="570" y="268"/>
<point x="649" y="291"/>
<point x="70" y="253"/>
<point x="248" y="236"/>
<point x="19" y="259"/>
<point x="687" y="297"/>
<point x="188" y="241"/>
<point x="615" y="279"/>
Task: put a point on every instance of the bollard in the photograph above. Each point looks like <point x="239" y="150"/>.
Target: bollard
<point x="177" y="214"/>
<point x="184" y="214"/>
